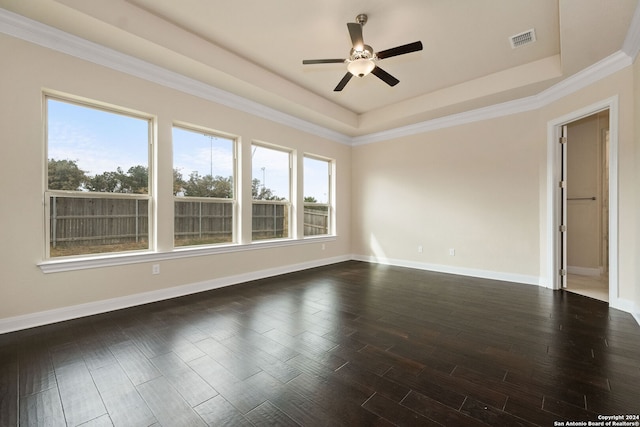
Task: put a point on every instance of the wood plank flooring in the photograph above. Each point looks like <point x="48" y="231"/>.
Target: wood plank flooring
<point x="351" y="344"/>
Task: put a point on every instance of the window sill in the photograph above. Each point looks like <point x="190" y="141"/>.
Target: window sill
<point x="110" y="260"/>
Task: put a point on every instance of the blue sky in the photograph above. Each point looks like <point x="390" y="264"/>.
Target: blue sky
<point x="100" y="141"/>
<point x="97" y="141"/>
<point x="275" y="174"/>
<point x="205" y="154"/>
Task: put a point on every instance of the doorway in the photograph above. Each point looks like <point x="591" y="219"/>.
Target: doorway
<point x="582" y="197"/>
<point x="587" y="200"/>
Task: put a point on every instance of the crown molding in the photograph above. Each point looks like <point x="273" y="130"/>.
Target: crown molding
<point x="24" y="28"/>
<point x="485" y="113"/>
<point x="609" y="65"/>
<point x="588" y="76"/>
<point x="35" y="32"/>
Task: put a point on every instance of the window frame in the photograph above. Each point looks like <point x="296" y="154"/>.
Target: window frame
<point x="48" y="193"/>
<point x="287" y="203"/>
<point x="235" y="185"/>
<point x="330" y="205"/>
<point x="152" y="253"/>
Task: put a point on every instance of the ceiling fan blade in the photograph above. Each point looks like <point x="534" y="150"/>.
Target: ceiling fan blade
<point x="355" y="31"/>
<point x="322" y="61"/>
<point x="343" y="82"/>
<point x="384" y="76"/>
<point x="400" y="50"/>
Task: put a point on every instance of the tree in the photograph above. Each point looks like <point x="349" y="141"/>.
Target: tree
<point x="106" y="182"/>
<point x="65" y="175"/>
<point x="310" y="199"/>
<point x="208" y="186"/>
<point x="178" y="183"/>
<point x="135" y="180"/>
<point x="259" y="192"/>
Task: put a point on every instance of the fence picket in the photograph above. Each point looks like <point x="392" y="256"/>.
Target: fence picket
<point x="79" y="221"/>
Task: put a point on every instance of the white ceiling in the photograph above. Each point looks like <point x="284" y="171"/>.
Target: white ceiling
<point x="255" y="49"/>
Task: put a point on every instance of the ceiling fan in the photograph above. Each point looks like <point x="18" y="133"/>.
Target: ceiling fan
<point x="362" y="58"/>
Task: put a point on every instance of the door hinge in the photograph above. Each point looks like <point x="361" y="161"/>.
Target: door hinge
<point x="562" y="272"/>
<point x="562" y="228"/>
<point x="562" y="140"/>
<point x="562" y="184"/>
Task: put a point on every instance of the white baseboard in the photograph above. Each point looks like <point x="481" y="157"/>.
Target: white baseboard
<point x="483" y="274"/>
<point x="31" y="320"/>
<point x="620" y="304"/>
<point x="627" y="306"/>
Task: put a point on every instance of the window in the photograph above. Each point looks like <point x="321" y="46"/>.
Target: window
<point x="204" y="187"/>
<point x="98" y="186"/>
<point x="271" y="192"/>
<point x="317" y="196"/>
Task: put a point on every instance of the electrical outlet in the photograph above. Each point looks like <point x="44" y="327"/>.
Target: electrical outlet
<point x="323" y="247"/>
<point x="419" y="249"/>
<point x="155" y="269"/>
<point x="452" y="251"/>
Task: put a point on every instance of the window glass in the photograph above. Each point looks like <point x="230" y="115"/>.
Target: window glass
<point x="317" y="196"/>
<point x="98" y="183"/>
<point x="271" y="192"/>
<point x="204" y="187"/>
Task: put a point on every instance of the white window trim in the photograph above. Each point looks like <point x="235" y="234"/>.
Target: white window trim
<point x="331" y="198"/>
<point x="59" y="265"/>
<point x="288" y="202"/>
<point x="149" y="196"/>
<point x="151" y="255"/>
<point x="236" y="175"/>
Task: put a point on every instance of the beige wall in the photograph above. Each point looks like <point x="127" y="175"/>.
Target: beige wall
<point x="25" y="288"/>
<point x="481" y="188"/>
<point x="472" y="188"/>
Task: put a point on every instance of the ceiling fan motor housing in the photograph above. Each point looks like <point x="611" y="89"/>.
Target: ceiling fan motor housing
<point x="365" y="53"/>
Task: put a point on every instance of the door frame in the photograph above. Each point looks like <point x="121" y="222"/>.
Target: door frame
<point x="554" y="204"/>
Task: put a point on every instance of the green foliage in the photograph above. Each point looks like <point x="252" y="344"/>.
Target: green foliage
<point x="107" y="182"/>
<point x="65" y="175"/>
<point x="259" y="192"/>
<point x="135" y="180"/>
<point x="310" y="199"/>
<point x="178" y="182"/>
<point x="205" y="186"/>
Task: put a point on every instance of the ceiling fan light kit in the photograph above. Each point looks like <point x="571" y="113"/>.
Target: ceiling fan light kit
<point x="362" y="58"/>
<point x="361" y="67"/>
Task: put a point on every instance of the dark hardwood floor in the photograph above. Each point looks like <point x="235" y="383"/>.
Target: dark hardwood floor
<point x="351" y="344"/>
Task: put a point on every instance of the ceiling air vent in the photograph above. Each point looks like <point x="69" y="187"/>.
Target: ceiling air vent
<point x="522" y="39"/>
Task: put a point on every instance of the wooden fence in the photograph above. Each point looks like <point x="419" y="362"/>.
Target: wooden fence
<point x="269" y="220"/>
<point x="202" y="221"/>
<point x="316" y="220"/>
<point x="85" y="221"/>
<point x="81" y="221"/>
